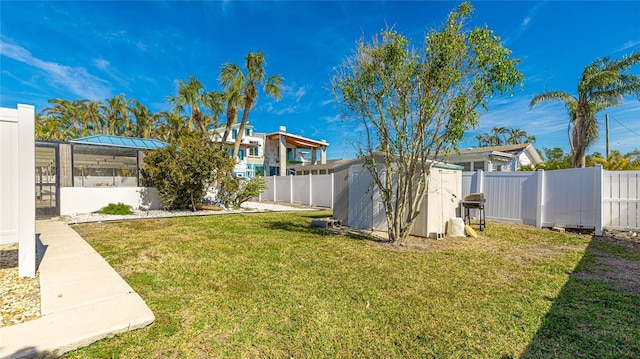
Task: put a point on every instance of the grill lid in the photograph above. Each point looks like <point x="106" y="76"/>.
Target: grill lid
<point x="475" y="197"/>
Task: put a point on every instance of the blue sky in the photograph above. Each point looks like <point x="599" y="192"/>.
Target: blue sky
<point x="97" y="50"/>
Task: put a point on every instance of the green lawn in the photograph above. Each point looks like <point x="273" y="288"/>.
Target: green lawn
<point x="268" y="285"/>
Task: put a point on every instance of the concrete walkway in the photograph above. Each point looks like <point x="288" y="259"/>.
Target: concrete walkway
<point x="82" y="299"/>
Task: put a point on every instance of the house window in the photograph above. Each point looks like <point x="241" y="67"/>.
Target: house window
<point x="478" y="166"/>
<point x="274" y="171"/>
<point x="247" y="132"/>
<point x="255" y="151"/>
<point x="289" y="154"/>
<point x="241" y="154"/>
<point x="234" y="134"/>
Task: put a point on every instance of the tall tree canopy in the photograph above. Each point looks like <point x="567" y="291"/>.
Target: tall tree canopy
<point x="234" y="80"/>
<point x="414" y="105"/>
<point x="603" y="84"/>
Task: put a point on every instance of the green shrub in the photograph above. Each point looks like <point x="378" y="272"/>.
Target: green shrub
<point x="235" y="191"/>
<point x="116" y="208"/>
<point x="249" y="189"/>
<point x="183" y="172"/>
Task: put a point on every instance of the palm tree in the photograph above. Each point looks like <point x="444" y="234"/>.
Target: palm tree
<point x="191" y="94"/>
<point x="516" y="136"/>
<point x="232" y="78"/>
<point x="92" y="118"/>
<point x="171" y="126"/>
<point x="603" y="84"/>
<point x="232" y="97"/>
<point x="63" y="119"/>
<point x="498" y="137"/>
<point x="214" y="102"/>
<point x="144" y="120"/>
<point x="484" y="140"/>
<point x="116" y="116"/>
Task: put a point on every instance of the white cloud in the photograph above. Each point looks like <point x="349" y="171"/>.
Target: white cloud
<point x="629" y="45"/>
<point x="327" y="102"/>
<point x="525" y="23"/>
<point x="102" y="64"/>
<point x="75" y="79"/>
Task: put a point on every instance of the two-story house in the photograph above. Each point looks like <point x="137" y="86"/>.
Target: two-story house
<point x="273" y="154"/>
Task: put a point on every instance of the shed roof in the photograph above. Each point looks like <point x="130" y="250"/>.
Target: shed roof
<point x="120" y="141"/>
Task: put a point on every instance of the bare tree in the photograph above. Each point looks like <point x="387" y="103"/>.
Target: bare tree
<point x="414" y="105"/>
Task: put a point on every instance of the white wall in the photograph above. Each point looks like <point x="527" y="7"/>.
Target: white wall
<point x="17" y="184"/>
<point x="75" y="200"/>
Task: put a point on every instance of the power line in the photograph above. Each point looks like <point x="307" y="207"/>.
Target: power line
<point x="623" y="125"/>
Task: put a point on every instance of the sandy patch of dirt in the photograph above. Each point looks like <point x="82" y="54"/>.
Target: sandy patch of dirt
<point x="617" y="272"/>
<point x="19" y="296"/>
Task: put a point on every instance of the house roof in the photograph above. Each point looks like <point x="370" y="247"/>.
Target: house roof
<point x="120" y="141"/>
<point x="298" y="141"/>
<point x="507" y="151"/>
<point x="379" y="156"/>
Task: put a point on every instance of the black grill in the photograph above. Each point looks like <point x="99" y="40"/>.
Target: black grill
<point x="474" y="201"/>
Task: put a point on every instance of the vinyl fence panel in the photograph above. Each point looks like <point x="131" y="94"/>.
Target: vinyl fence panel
<point x="504" y="194"/>
<point x="300" y="186"/>
<point x="570" y="198"/>
<point x="620" y="199"/>
<point x="312" y="190"/>
<point x="322" y="190"/>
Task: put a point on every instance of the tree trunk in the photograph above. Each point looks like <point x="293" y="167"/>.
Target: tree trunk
<point x="243" y="124"/>
<point x="232" y="115"/>
<point x="579" y="133"/>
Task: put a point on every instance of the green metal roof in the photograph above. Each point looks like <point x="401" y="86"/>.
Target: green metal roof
<point x="119" y="141"/>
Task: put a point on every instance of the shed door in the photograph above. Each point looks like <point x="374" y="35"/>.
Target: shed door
<point x="360" y="199"/>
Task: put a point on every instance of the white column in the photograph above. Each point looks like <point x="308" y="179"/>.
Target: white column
<point x="26" y="192"/>
<point x="323" y="155"/>
<point x="282" y="150"/>
<point x="314" y="158"/>
<point x="599" y="173"/>
<point x="539" y="198"/>
<point x="310" y="190"/>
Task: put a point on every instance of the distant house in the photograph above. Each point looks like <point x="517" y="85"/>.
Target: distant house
<point x="272" y="154"/>
<point x="495" y="158"/>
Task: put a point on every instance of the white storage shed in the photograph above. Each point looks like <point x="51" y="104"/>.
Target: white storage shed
<point x="357" y="202"/>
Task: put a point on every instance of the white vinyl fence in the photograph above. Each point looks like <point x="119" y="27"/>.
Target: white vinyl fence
<point x="312" y="190"/>
<point x="586" y="197"/>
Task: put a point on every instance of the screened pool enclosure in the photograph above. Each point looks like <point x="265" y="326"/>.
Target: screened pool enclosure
<point x="95" y="161"/>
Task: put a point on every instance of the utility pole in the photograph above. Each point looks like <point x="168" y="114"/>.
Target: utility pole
<point x="606" y="117"/>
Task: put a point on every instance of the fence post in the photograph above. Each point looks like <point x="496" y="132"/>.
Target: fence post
<point x="275" y="197"/>
<point x="310" y="189"/>
<point x="26" y="192"/>
<point x="599" y="173"/>
<point x="332" y="189"/>
<point x="539" y="198"/>
<point x="290" y="189"/>
<point x="480" y="181"/>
